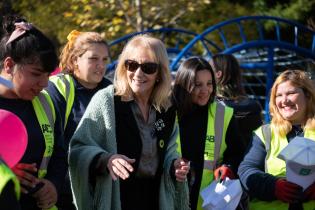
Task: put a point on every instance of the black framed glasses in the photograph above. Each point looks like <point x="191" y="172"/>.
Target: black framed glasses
<point x="148" y="67"/>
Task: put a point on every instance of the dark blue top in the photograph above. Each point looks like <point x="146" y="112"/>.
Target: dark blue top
<point x="36" y="145"/>
<point x="82" y="98"/>
<point x="251" y="171"/>
<point x="248" y="117"/>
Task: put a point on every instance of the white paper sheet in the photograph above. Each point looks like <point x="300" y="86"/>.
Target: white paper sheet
<point x="225" y="195"/>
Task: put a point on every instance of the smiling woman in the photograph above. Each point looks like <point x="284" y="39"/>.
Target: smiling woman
<point x="83" y="66"/>
<point x="37" y="80"/>
<point x="291" y="103"/>
<point x="264" y="174"/>
<point x="208" y="136"/>
<point x="27" y="58"/>
<point x="123" y="153"/>
<point x="142" y="77"/>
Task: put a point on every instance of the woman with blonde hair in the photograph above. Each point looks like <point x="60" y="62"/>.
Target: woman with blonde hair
<point x="83" y="65"/>
<point x="264" y="174"/>
<point x="123" y="154"/>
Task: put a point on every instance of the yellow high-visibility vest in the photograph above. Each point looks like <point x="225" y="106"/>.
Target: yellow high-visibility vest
<point x="45" y="113"/>
<point x="219" y="117"/>
<point x="276" y="167"/>
<point x="65" y="85"/>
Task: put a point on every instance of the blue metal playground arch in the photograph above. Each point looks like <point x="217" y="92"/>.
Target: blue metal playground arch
<point x="269" y="51"/>
<point x="182" y="39"/>
<point x="270" y="45"/>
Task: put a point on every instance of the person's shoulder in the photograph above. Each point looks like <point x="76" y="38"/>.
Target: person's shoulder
<point x="51" y="86"/>
<point x="104" y="94"/>
<point x="247" y="105"/>
<point x="108" y="89"/>
<point x="58" y="81"/>
<point x="171" y="109"/>
<point x="253" y="105"/>
<point x="106" y="82"/>
<point x="169" y="113"/>
<point x="53" y="92"/>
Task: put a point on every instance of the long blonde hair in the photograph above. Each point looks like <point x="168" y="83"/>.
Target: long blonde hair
<point x="160" y="95"/>
<point x="301" y="80"/>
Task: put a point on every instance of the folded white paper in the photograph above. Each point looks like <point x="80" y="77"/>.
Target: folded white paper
<point x="225" y="195"/>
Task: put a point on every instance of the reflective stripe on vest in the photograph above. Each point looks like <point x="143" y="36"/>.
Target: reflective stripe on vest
<point x="215" y="141"/>
<point x="7" y="175"/>
<point x="65" y="85"/>
<point x="45" y="114"/>
<point x="212" y="157"/>
<point x="277" y="167"/>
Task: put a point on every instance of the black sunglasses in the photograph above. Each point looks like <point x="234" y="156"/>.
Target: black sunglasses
<point x="148" y="68"/>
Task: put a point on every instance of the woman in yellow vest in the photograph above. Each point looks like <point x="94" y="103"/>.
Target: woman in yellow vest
<point x="27" y="58"/>
<point x="83" y="65"/>
<point x="262" y="173"/>
<point x="208" y="136"/>
<point x="231" y="92"/>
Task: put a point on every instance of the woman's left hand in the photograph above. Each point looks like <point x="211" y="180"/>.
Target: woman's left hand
<point x="46" y="197"/>
<point x="182" y="168"/>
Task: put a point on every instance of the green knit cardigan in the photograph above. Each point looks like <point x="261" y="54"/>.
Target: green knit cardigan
<point x="96" y="134"/>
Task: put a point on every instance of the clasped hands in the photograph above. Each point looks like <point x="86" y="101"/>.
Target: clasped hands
<point x="119" y="166"/>
<point x="182" y="168"/>
<point x="291" y="193"/>
<point x="46" y="196"/>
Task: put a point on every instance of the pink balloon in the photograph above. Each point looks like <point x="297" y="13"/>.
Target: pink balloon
<point x="13" y="138"/>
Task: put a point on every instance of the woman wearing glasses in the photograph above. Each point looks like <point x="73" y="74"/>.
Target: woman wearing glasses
<point x="123" y="154"/>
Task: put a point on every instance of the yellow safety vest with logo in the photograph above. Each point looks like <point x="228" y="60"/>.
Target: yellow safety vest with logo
<point x="7" y="175"/>
<point x="45" y="113"/>
<point x="215" y="142"/>
<point x="65" y="85"/>
<point x="276" y="166"/>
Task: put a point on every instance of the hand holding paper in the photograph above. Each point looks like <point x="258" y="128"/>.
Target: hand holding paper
<point x="223" y="172"/>
<point x="299" y="155"/>
<point x="225" y="195"/>
<point x="287" y="191"/>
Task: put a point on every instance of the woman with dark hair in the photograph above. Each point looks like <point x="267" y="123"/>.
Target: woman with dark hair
<point x="230" y="92"/>
<point x="27" y="58"/>
<point x="208" y="136"/>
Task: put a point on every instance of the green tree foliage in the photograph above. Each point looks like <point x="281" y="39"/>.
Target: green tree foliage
<point x="115" y="18"/>
<point x="295" y="9"/>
